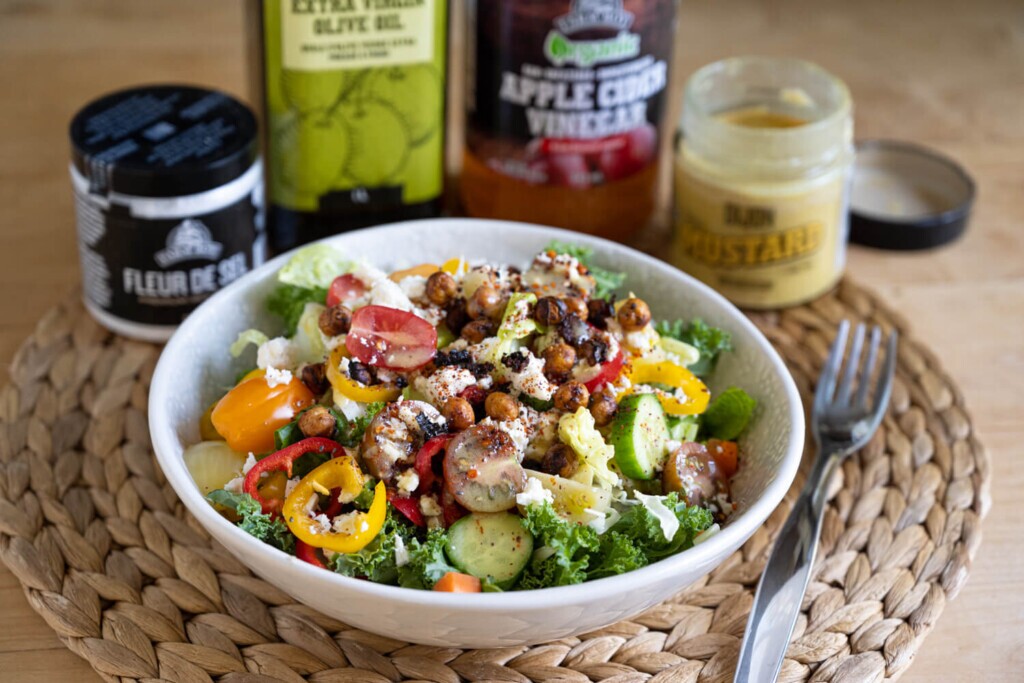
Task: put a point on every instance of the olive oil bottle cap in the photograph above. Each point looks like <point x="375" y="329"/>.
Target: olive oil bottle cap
<point x="907" y="197"/>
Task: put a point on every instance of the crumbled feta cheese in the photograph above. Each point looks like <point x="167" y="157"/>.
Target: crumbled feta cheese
<point x="444" y="383"/>
<point x="408" y="481"/>
<point x="429" y="506"/>
<point x="350" y="523"/>
<point x="671" y="445"/>
<point x="666" y="518"/>
<point x="519" y="433"/>
<point x="347" y="496"/>
<point x="413" y="286"/>
<point x="387" y="293"/>
<point x="321" y="525"/>
<point x="277" y="352"/>
<point x="531" y="381"/>
<point x="534" y="494"/>
<point x="706" y="534"/>
<point x="250" y="462"/>
<point x="311" y="503"/>
<point x="234" y="485"/>
<point x="401" y="552"/>
<point x="290" y="485"/>
<point x="277" y="377"/>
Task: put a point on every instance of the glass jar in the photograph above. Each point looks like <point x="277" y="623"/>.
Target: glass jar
<point x="762" y="179"/>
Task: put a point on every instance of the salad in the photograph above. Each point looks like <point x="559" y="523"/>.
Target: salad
<point x="471" y="427"/>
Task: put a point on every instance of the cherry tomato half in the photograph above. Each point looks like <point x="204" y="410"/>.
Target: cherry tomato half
<point x="249" y="414"/>
<point x="345" y="288"/>
<point x="389" y="338"/>
<point x="609" y="372"/>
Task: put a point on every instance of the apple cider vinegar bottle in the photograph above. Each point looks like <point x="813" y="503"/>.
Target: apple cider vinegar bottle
<point x="565" y="101"/>
<point x="353" y="102"/>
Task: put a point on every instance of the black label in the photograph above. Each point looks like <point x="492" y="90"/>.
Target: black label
<point x="156" y="271"/>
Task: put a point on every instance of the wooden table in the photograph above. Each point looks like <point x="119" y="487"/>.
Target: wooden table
<point x="940" y="72"/>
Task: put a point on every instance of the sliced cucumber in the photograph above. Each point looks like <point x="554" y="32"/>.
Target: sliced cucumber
<point x="638" y="435"/>
<point x="495" y="545"/>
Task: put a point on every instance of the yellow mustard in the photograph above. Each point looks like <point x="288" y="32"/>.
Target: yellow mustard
<point x="762" y="180"/>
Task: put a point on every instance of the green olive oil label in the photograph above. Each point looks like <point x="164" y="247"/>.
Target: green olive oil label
<point x="355" y="102"/>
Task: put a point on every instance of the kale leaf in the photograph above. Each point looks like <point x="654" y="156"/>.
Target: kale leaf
<point x="252" y="520"/>
<point x="709" y="341"/>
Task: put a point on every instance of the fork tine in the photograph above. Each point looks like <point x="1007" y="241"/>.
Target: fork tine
<point x="864" y="383"/>
<point x="852" y="365"/>
<point x="827" y="382"/>
<point x="884" y="390"/>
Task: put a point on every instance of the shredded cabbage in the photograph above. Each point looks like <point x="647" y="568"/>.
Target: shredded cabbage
<point x="314" y="266"/>
<point x="579" y="431"/>
<point x="250" y="336"/>
<point x="667" y="519"/>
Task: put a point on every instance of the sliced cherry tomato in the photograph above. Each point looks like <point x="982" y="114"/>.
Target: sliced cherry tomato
<point x="409" y="507"/>
<point x="345" y="288"/>
<point x="282" y="461"/>
<point x="249" y="414"/>
<point x="392" y="339"/>
<point x="726" y="455"/>
<point x="425" y="460"/>
<point x="609" y="373"/>
<point x="308" y="553"/>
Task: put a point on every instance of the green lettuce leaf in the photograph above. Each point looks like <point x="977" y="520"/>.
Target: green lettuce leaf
<point x="607" y="280"/>
<point x="727" y="415"/>
<point x="427" y="561"/>
<point x="571" y="546"/>
<point x="314" y="267"/>
<point x="250" y="336"/>
<point x="709" y="341"/>
<point x="645" y="532"/>
<point x="289" y="301"/>
<point x="270" y="530"/>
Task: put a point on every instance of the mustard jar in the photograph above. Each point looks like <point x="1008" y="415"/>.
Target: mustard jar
<point x="762" y="176"/>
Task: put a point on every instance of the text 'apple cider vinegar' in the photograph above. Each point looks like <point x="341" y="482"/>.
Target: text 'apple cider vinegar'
<point x="563" y="109"/>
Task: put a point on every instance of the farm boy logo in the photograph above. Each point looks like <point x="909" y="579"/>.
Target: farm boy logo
<point x="592" y="14"/>
<point x="189" y="240"/>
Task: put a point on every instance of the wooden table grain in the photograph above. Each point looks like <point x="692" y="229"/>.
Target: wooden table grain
<point x="945" y="73"/>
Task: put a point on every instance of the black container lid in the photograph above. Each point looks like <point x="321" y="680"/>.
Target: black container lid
<point x="907" y="197"/>
<point x="163" y="141"/>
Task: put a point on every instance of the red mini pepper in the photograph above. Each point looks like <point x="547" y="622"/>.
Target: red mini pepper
<point x="425" y="460"/>
<point x="307" y="553"/>
<point x="409" y="507"/>
<point x="283" y="461"/>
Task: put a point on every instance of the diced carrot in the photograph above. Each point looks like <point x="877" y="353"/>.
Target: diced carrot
<point x="454" y="582"/>
<point x="726" y="455"/>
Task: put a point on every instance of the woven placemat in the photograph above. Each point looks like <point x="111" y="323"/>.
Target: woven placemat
<point x="131" y="583"/>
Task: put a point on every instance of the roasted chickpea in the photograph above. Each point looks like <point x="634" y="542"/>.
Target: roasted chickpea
<point x="458" y="413"/>
<point x="549" y="310"/>
<point x="575" y="304"/>
<point x="603" y="407"/>
<point x="500" y="406"/>
<point x="559" y="359"/>
<point x="317" y="421"/>
<point x="477" y="330"/>
<point x="634" y="314"/>
<point x="486" y="302"/>
<point x="571" y="396"/>
<point x="560" y="459"/>
<point x="314" y="376"/>
<point x="335" y="320"/>
<point x="441" y="288"/>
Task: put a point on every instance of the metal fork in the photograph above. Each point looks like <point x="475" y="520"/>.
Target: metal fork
<point x="842" y="421"/>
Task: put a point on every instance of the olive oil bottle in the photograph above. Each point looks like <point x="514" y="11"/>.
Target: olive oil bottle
<point x="353" y="100"/>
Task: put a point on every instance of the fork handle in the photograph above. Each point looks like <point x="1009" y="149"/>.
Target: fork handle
<point x="784" y="581"/>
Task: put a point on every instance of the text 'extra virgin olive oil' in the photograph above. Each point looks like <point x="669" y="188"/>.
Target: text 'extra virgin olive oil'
<point x="353" y="95"/>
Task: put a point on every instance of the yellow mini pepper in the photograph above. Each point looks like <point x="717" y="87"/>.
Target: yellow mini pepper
<point x="642" y="371"/>
<point x="349" y="388"/>
<point x="336" y="473"/>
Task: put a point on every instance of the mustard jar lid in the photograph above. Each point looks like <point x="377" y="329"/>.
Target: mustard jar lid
<point x="907" y="197"/>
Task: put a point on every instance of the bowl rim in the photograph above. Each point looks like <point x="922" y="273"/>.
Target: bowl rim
<point x="168" y="454"/>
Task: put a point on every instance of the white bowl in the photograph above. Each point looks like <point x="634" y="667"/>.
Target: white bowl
<point x="195" y="366"/>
